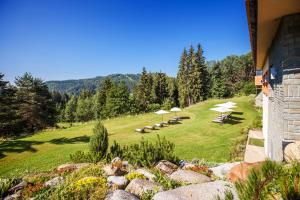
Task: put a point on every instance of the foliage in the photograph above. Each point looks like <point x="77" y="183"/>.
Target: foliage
<point x="167" y="104"/>
<point x="148" y="195"/>
<point x="153" y="107"/>
<point x="99" y="142"/>
<point x="70" y="110"/>
<point x="202" y="169"/>
<point x="134" y="175"/>
<point x="38" y="178"/>
<point x="239" y="145"/>
<point x="145" y="153"/>
<point x="5" y="185"/>
<point x="94" y="170"/>
<point x="166" y="182"/>
<point x="80" y="157"/>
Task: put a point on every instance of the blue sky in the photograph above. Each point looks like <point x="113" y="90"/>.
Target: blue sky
<point x="70" y="39"/>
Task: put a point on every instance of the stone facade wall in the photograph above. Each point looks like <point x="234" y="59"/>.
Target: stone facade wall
<point x="284" y="96"/>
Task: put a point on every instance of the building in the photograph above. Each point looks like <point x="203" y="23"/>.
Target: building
<point x="274" y="27"/>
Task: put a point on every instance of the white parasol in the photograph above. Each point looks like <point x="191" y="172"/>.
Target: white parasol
<point x="161" y="112"/>
<point x="175" y="109"/>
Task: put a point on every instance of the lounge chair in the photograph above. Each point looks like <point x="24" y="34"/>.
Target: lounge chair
<point x="150" y="127"/>
<point x="172" y="121"/>
<point x="140" y="130"/>
<point x="159" y="125"/>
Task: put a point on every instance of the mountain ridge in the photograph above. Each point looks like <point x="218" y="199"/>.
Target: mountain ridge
<point x="74" y="86"/>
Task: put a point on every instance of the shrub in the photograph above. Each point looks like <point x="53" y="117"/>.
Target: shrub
<point x="146" y="153"/>
<point x="167" y="104"/>
<point x="32" y="189"/>
<point x="153" y="107"/>
<point x="201" y="169"/>
<point x="115" y="151"/>
<point x="5" y="185"/>
<point x="92" y="170"/>
<point x="99" y="142"/>
<point x="80" y="157"/>
<point x="134" y="175"/>
<point x="167" y="183"/>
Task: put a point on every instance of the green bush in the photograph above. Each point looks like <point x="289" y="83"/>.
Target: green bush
<point x="167" y="104"/>
<point x="5" y="185"/>
<point x="134" y="175"/>
<point x="167" y="183"/>
<point x="99" y="142"/>
<point x="80" y="157"/>
<point x="153" y="107"/>
<point x="145" y="153"/>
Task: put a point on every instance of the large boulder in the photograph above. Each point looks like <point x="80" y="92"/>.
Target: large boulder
<point x="110" y="170"/>
<point x="54" y="182"/>
<point x="292" y="152"/>
<point x="146" y="173"/>
<point x="222" y="170"/>
<point x="166" y="167"/>
<point x="142" y="186"/>
<point x="14" y="196"/>
<point x="203" y="191"/>
<point x="241" y="171"/>
<point x="72" y="166"/>
<point x="117" y="182"/>
<point x="188" y="177"/>
<point x="18" y="187"/>
<point x="121" y="195"/>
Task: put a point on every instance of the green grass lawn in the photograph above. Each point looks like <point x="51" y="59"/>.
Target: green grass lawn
<point x="197" y="137"/>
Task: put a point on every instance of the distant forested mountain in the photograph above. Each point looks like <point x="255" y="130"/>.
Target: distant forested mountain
<point x="75" y="86"/>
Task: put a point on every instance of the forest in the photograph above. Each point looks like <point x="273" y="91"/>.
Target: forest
<point x="28" y="106"/>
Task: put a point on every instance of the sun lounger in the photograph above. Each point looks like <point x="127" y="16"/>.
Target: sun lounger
<point x="172" y="121"/>
<point x="159" y="125"/>
<point x="150" y="127"/>
<point x="140" y="130"/>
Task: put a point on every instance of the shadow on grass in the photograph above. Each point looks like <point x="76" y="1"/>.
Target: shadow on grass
<point x="236" y="118"/>
<point x="64" y="140"/>
<point x="17" y="146"/>
<point x="237" y="113"/>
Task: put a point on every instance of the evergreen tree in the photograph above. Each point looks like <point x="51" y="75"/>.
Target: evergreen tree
<point x="196" y="63"/>
<point x="173" y="90"/>
<point x="160" y="88"/>
<point x="99" y="99"/>
<point x="9" y="120"/>
<point x="70" y="110"/>
<point x="117" y="101"/>
<point x="84" y="109"/>
<point x="182" y="79"/>
<point x="36" y="107"/>
<point x="143" y="90"/>
<point x="218" y="85"/>
<point x="99" y="142"/>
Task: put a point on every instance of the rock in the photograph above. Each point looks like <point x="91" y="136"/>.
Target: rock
<point x="241" y="171"/>
<point x="72" y="165"/>
<point x="146" y="173"/>
<point x="54" y="182"/>
<point x="121" y="195"/>
<point x="292" y="152"/>
<point x="116" y="159"/>
<point x="18" y="187"/>
<point x="189" y="177"/>
<point x="125" y="163"/>
<point x="117" y="182"/>
<point x="109" y="170"/>
<point x="188" y="165"/>
<point x="166" y="167"/>
<point x="141" y="186"/>
<point x="203" y="191"/>
<point x="14" y="196"/>
<point x="222" y="170"/>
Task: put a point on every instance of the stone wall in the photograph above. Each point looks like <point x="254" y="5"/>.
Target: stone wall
<point x="284" y="96"/>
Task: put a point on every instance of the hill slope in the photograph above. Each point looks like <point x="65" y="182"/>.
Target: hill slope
<point x="197" y="137"/>
<point x="75" y="86"/>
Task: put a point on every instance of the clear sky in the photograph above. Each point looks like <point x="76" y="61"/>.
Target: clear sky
<point x="70" y="39"/>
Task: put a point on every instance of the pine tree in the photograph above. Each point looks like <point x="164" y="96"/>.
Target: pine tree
<point x="9" y="120"/>
<point x="195" y="74"/>
<point x="173" y="90"/>
<point x="218" y="86"/>
<point x="84" y="109"/>
<point x="191" y="88"/>
<point x="143" y="90"/>
<point x="182" y="79"/>
<point x="117" y="101"/>
<point x="99" y="99"/>
<point x="70" y="110"/>
<point x="99" y="142"/>
<point x="160" y="87"/>
<point x="36" y="107"/>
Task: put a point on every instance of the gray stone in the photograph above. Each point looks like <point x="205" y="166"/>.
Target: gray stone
<point x="54" y="182"/>
<point x="72" y="165"/>
<point x="142" y="186"/>
<point x="222" y="170"/>
<point x="14" y="196"/>
<point x="189" y="177"/>
<point x="146" y="173"/>
<point x="109" y="170"/>
<point x="188" y="165"/>
<point x="166" y="167"/>
<point x="292" y="152"/>
<point x="18" y="187"/>
<point x="117" y="182"/>
<point x="203" y="191"/>
<point x="121" y="195"/>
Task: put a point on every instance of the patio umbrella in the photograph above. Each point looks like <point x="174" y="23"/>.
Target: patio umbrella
<point x="161" y="112"/>
<point x="175" y="109"/>
<point x="227" y="105"/>
<point x="221" y="109"/>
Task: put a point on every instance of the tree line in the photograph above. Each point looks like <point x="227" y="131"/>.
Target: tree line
<point x="28" y="106"/>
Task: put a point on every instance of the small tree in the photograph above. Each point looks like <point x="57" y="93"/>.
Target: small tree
<point x="99" y="142"/>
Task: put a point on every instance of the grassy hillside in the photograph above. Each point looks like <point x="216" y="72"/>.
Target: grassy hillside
<point x="75" y="86"/>
<point x="197" y="137"/>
